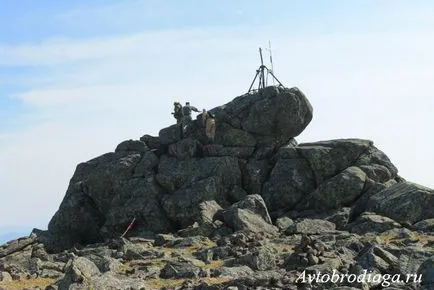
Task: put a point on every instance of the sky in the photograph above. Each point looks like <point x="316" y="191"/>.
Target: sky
<point x="79" y="77"/>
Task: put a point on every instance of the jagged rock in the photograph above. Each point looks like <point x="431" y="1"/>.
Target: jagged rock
<point x="220" y="150"/>
<point x="232" y="137"/>
<point x="255" y="173"/>
<point x="78" y="270"/>
<point x="289" y="181"/>
<point x="279" y="112"/>
<point x="38" y="251"/>
<point x="111" y="280"/>
<point x="174" y="174"/>
<point x="424" y="225"/>
<point x="374" y="257"/>
<point x="426" y="270"/>
<point x="239" y="271"/>
<point x="134" y="251"/>
<point x="263" y="258"/>
<point x="249" y="214"/>
<point x="339" y="217"/>
<point x="371" y="187"/>
<point x="132" y="145"/>
<point x="5" y="277"/>
<point x="146" y="167"/>
<point x="310" y="226"/>
<point x="179" y="270"/>
<point x="185" y="148"/>
<point x="16" y="245"/>
<point x="377" y="165"/>
<point x="236" y="194"/>
<point x="283" y="223"/>
<point x="328" y="158"/>
<point x="89" y="197"/>
<point x="338" y="191"/>
<point x="184" y="205"/>
<point x="170" y="134"/>
<point x="369" y="222"/>
<point x="50" y="273"/>
<point x="404" y="202"/>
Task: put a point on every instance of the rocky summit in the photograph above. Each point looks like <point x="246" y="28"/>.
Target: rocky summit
<point x="252" y="210"/>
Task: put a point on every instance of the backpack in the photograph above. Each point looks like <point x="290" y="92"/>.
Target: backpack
<point x="178" y="111"/>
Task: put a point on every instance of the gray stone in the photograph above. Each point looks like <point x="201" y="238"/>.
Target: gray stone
<point x="372" y="223"/>
<point x="89" y="197"/>
<point x="16" y="245"/>
<point x="234" y="272"/>
<point x="169" y="135"/>
<point x="340" y="190"/>
<point x="279" y="113"/>
<point x="187" y="205"/>
<point x="78" y="270"/>
<point x="5" y="277"/>
<point x="231" y="137"/>
<point x="283" y="223"/>
<point x="50" y="273"/>
<point x="426" y="270"/>
<point x="377" y="165"/>
<point x="376" y="258"/>
<point x="174" y="174"/>
<point x="136" y="198"/>
<point x="179" y="270"/>
<point x="404" y="202"/>
<point x="132" y="145"/>
<point x="255" y="173"/>
<point x="263" y="258"/>
<point x="424" y="225"/>
<point x="241" y="219"/>
<point x="311" y="226"/>
<point x="147" y="165"/>
<point x="328" y="158"/>
<point x="290" y="180"/>
<point x="185" y="148"/>
<point x="249" y="214"/>
<point x="220" y="150"/>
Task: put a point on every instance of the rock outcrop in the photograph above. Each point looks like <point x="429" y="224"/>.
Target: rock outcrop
<point x="251" y="210"/>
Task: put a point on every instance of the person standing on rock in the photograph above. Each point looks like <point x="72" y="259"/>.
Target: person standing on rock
<point x="177" y="112"/>
<point x="186" y="116"/>
<point x="208" y="120"/>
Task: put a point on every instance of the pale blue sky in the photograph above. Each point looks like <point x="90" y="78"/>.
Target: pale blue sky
<point x="78" y="77"/>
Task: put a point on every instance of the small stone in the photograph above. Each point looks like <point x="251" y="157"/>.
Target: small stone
<point x="312" y="260"/>
<point x="5" y="277"/>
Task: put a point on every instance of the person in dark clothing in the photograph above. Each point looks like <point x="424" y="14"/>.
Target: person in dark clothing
<point x="177" y="112"/>
<point x="186" y="116"/>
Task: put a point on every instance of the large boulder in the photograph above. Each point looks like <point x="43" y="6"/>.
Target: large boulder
<point x="340" y="190"/>
<point x="184" y="205"/>
<point x="327" y="158"/>
<point x="289" y="182"/>
<point x="249" y="214"/>
<point x="404" y="202"/>
<point x="280" y="112"/>
<point x="103" y="196"/>
<point x="174" y="173"/>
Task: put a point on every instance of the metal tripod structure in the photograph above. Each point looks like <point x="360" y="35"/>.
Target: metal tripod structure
<point x="260" y="74"/>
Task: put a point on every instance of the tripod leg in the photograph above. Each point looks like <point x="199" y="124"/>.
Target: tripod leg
<point x="254" y="79"/>
<point x="275" y="78"/>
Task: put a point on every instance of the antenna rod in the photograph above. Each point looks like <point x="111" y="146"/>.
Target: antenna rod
<point x="262" y="78"/>
<point x="260" y="53"/>
<point x="271" y="57"/>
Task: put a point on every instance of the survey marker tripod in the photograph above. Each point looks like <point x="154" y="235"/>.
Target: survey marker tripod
<point x="260" y="72"/>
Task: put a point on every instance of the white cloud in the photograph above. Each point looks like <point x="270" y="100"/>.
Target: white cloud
<point x="100" y="92"/>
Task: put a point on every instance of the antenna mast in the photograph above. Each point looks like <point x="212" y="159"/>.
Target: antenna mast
<point x="260" y="73"/>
